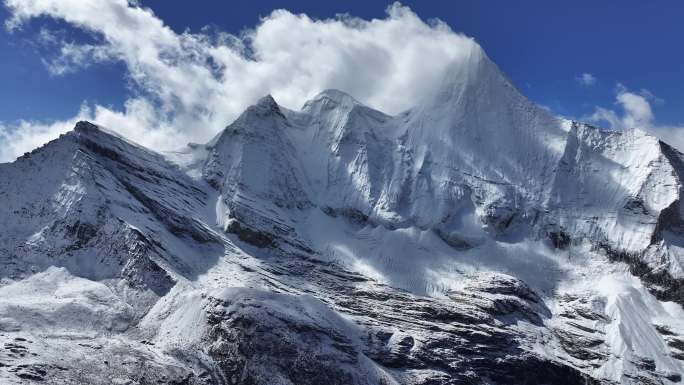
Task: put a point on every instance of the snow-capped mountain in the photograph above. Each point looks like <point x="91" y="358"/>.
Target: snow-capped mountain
<point x="473" y="239"/>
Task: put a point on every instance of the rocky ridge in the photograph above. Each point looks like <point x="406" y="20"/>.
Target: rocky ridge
<point x="474" y="239"/>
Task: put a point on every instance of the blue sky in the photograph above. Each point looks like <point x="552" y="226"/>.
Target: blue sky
<point x="542" y="45"/>
<point x="623" y="48"/>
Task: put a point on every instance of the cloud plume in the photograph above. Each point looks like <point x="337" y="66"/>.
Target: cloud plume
<point x="187" y="86"/>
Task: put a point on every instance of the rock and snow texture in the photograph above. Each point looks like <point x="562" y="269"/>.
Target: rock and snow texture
<point x="473" y="239"/>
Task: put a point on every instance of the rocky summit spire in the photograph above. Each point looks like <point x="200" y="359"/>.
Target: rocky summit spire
<point x="474" y="238"/>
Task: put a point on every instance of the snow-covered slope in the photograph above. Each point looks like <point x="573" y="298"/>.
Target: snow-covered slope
<point x="475" y="162"/>
<point x="474" y="238"/>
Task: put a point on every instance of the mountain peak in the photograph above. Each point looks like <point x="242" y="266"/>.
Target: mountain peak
<point x="330" y="99"/>
<point x="85" y="126"/>
<point x="267" y="104"/>
<point x="265" y="107"/>
<point x="336" y="96"/>
<point x="267" y="101"/>
<point x="475" y="201"/>
<point x="472" y="76"/>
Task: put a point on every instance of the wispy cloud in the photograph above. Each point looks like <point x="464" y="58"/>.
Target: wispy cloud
<point x="28" y="135"/>
<point x="586" y="79"/>
<point x="187" y="86"/>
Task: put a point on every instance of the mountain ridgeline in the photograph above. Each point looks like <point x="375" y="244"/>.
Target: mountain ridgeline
<point x="473" y="239"/>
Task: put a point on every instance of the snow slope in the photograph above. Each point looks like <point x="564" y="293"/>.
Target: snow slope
<point x="474" y="238"/>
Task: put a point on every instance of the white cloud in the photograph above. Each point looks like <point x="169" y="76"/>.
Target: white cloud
<point x="187" y="86"/>
<point x="637" y="108"/>
<point x="72" y="57"/>
<point x="28" y="135"/>
<point x="586" y="79"/>
<point x="137" y="121"/>
<point x="637" y="113"/>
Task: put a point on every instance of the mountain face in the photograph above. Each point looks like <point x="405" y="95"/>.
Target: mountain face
<point x="474" y="239"/>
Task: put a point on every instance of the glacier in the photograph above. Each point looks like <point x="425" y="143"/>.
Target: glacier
<point x="475" y="238"/>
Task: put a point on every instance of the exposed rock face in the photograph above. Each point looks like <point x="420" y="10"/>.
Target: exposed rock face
<point x="474" y="239"/>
